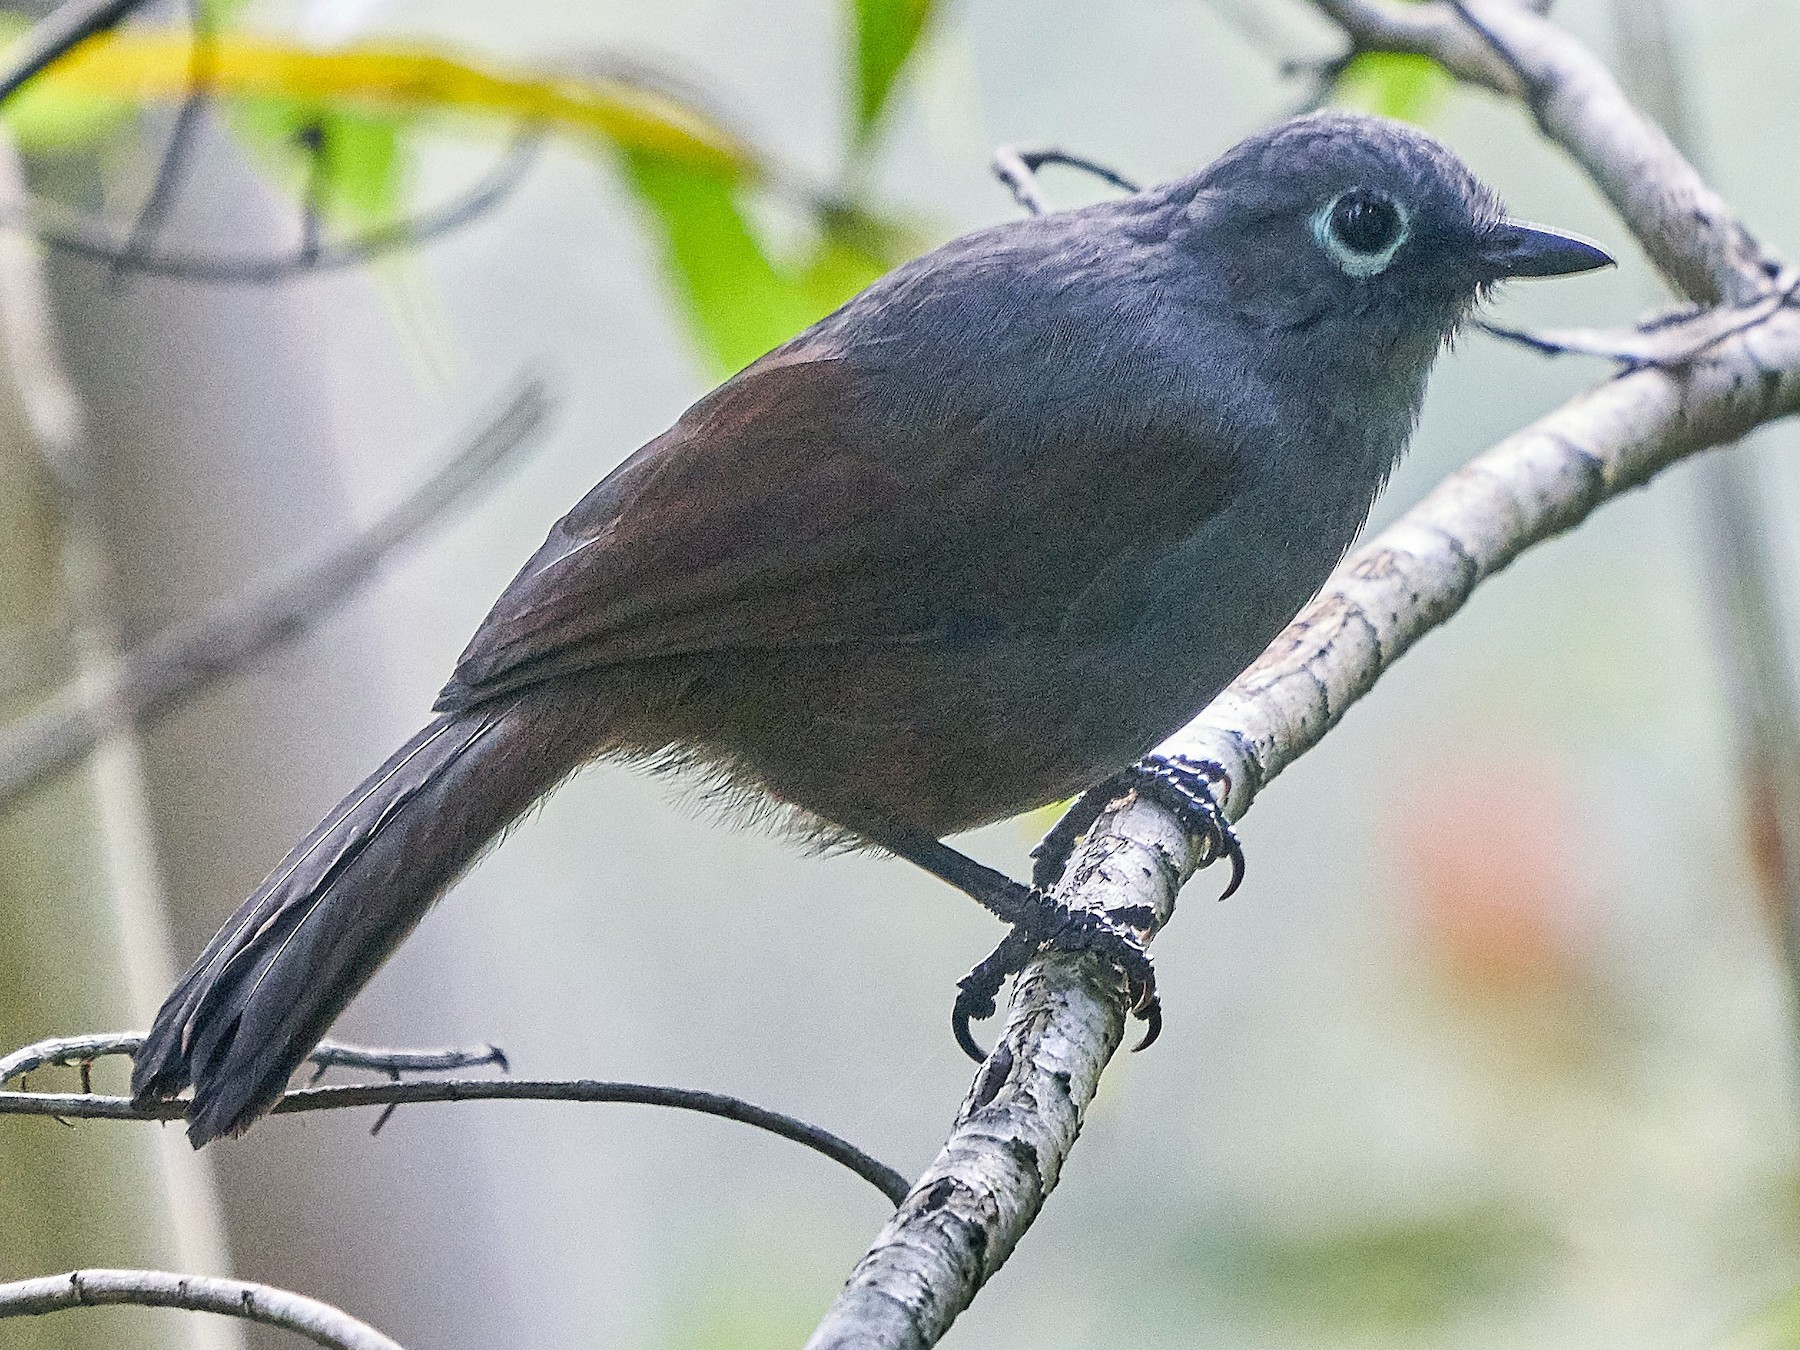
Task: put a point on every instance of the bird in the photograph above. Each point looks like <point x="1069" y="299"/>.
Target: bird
<point x="973" y="543"/>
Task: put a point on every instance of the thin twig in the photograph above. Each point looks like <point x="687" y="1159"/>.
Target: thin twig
<point x="315" y="140"/>
<point x="318" y="1322"/>
<point x="172" y="668"/>
<point x="1665" y="345"/>
<point x="60" y="32"/>
<point x="1018" y="170"/>
<point x="88" y="1106"/>
<point x="171" y="168"/>
<point x="83" y="1050"/>
<point x="327" y="1055"/>
<point x="82" y="240"/>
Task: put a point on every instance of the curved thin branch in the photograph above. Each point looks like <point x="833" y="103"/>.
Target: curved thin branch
<point x="80" y="1051"/>
<point x="173" y="667"/>
<point x="173" y="164"/>
<point x="318" y="1322"/>
<point x="1671" y="341"/>
<point x="1017" y="169"/>
<point x="327" y="1055"/>
<point x="137" y="257"/>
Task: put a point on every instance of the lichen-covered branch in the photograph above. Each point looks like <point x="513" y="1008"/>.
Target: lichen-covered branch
<point x="318" y="1322"/>
<point x="968" y="1211"/>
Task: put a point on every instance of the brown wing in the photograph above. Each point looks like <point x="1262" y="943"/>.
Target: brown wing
<point x="779" y="512"/>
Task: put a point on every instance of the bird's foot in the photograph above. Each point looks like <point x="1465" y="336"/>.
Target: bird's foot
<point x="1182" y="785"/>
<point x="1045" y="923"/>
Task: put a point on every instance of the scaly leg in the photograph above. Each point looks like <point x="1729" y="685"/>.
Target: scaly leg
<point x="1039" y="921"/>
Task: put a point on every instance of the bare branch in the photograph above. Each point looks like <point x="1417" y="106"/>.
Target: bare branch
<point x="63" y="1051"/>
<point x="327" y="1055"/>
<point x="81" y="1051"/>
<point x="318" y="1322"/>
<point x="72" y="234"/>
<point x="1017" y="169"/>
<point x="172" y="668"/>
<point x="1677" y="340"/>
<point x="172" y="167"/>
<point x="968" y="1210"/>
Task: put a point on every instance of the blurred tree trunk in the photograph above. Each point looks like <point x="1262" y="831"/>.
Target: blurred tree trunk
<point x="78" y="903"/>
<point x="216" y="462"/>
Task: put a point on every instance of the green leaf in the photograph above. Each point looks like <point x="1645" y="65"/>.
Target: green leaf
<point x="42" y="118"/>
<point x="362" y="160"/>
<point x="740" y="299"/>
<point x="46" y="118"/>
<point x="1404" y="87"/>
<point x="886" y="33"/>
<point x="157" y="64"/>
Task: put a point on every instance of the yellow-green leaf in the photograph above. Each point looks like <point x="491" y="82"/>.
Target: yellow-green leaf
<point x="361" y="161"/>
<point x="740" y="299"/>
<point x="1399" y="85"/>
<point x="143" y="64"/>
<point x="886" y="31"/>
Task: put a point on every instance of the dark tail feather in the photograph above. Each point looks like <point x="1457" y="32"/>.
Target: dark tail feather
<point x="298" y="950"/>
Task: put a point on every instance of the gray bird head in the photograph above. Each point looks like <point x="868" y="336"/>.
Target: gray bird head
<point x="1340" y="217"/>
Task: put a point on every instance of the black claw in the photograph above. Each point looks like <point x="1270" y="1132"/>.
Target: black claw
<point x="1151" y="1014"/>
<point x="1039" y="919"/>
<point x="1047" y="922"/>
<point x="959" y="1027"/>
<point x="976" y="992"/>
<point x="973" y="1004"/>
<point x="1234" y="850"/>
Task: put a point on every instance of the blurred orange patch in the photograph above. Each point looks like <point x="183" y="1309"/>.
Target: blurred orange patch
<point x="1485" y="849"/>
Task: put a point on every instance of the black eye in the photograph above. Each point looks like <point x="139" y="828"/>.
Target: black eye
<point x="1365" y="221"/>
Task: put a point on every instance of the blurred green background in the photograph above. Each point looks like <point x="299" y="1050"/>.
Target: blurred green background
<point x="1494" y="1048"/>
